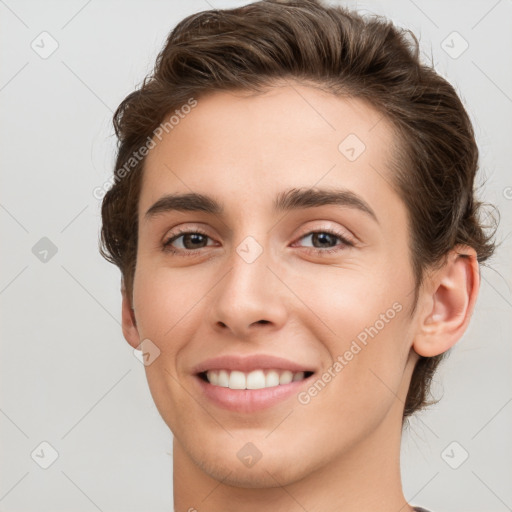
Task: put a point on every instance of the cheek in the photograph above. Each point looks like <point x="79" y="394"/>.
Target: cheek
<point x="364" y="328"/>
<point x="350" y="299"/>
<point x="165" y="302"/>
<point x="163" y="298"/>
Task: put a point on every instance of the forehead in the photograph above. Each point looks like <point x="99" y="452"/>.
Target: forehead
<point x="251" y="146"/>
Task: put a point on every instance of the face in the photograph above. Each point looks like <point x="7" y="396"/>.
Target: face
<point x="278" y="291"/>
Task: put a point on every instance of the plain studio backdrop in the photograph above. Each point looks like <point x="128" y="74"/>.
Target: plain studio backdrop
<point x="79" y="429"/>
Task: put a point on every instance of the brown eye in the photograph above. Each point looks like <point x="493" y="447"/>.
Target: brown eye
<point x="325" y="241"/>
<point x="186" y="242"/>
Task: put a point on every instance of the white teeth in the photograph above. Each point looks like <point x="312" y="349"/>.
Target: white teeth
<point x="237" y="380"/>
<point x="271" y="379"/>
<point x="213" y="377"/>
<point x="285" y="377"/>
<point x="223" y="379"/>
<point x="257" y="379"/>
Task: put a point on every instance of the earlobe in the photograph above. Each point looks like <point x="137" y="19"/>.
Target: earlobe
<point x="449" y="303"/>
<point x="129" y="323"/>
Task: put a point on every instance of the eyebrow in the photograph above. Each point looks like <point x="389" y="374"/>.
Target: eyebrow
<point x="292" y="199"/>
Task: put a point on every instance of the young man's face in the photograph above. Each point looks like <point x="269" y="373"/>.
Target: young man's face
<point x="260" y="283"/>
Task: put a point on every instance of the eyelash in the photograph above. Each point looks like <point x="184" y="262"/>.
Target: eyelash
<point x="167" y="247"/>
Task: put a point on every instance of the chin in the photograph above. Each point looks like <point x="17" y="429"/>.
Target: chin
<point x="274" y="472"/>
<point x="228" y="459"/>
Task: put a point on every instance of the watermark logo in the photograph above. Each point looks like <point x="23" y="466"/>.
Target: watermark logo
<point x="45" y="45"/>
<point x="44" y="250"/>
<point x="44" y="455"/>
<point x="249" y="455"/>
<point x="455" y="455"/>
<point x="249" y="249"/>
<point x="454" y="45"/>
<point x="351" y="147"/>
<point x="146" y="352"/>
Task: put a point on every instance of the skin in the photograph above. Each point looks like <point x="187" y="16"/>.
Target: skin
<point x="341" y="450"/>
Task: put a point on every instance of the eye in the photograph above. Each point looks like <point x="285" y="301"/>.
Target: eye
<point x="190" y="241"/>
<point x="326" y="239"/>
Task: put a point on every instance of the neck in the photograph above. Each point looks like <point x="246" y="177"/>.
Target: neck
<point x="365" y="479"/>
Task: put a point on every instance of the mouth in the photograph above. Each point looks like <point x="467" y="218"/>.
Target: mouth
<point x="256" y="379"/>
<point x="249" y="384"/>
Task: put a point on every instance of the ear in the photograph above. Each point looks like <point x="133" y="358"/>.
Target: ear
<point x="129" y="323"/>
<point x="449" y="300"/>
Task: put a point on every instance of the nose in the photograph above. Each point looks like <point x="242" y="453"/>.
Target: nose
<point x="249" y="297"/>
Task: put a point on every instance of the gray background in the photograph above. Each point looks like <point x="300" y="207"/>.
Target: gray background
<point x="67" y="375"/>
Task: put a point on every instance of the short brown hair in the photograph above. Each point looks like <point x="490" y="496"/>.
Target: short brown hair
<point x="252" y="47"/>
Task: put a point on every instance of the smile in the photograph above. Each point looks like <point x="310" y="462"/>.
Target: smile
<point x="250" y="383"/>
<point x="256" y="379"/>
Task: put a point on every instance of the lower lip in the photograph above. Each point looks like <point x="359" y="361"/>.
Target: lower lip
<point x="250" y="400"/>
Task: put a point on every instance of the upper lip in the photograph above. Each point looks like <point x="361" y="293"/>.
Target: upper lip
<point x="250" y="363"/>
